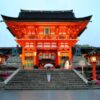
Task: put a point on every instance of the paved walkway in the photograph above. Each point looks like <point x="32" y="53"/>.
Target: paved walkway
<point x="50" y="95"/>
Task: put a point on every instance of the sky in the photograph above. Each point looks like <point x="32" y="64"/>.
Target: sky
<point x="81" y="8"/>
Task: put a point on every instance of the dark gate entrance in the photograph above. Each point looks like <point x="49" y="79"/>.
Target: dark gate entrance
<point x="46" y="56"/>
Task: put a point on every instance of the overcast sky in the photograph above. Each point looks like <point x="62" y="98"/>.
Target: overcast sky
<point x="81" y="8"/>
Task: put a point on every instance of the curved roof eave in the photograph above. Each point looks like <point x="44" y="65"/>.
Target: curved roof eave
<point x="45" y="19"/>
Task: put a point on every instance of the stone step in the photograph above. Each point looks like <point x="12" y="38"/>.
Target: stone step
<point x="37" y="79"/>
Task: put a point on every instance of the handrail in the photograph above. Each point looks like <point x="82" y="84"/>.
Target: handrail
<point x="84" y="79"/>
<point x="11" y="76"/>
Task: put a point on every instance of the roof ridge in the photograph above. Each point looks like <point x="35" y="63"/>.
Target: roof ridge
<point x="23" y="10"/>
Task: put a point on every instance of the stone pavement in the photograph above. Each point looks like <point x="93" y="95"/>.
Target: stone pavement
<point x="50" y="95"/>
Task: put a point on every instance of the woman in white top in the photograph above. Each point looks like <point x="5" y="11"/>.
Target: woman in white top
<point x="67" y="64"/>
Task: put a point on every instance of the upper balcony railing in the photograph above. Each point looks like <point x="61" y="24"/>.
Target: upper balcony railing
<point x="47" y="37"/>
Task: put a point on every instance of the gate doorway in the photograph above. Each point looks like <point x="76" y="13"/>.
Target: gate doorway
<point x="46" y="56"/>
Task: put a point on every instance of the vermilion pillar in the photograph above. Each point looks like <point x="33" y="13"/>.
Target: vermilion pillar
<point x="23" y="57"/>
<point x="58" y="57"/>
<point x="35" y="57"/>
<point x="70" y="56"/>
<point x="94" y="71"/>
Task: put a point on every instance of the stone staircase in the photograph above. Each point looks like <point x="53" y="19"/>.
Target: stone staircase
<point x="37" y="80"/>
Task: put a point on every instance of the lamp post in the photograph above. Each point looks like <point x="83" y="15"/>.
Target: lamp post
<point x="93" y="61"/>
<point x="0" y="60"/>
<point x="82" y="63"/>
